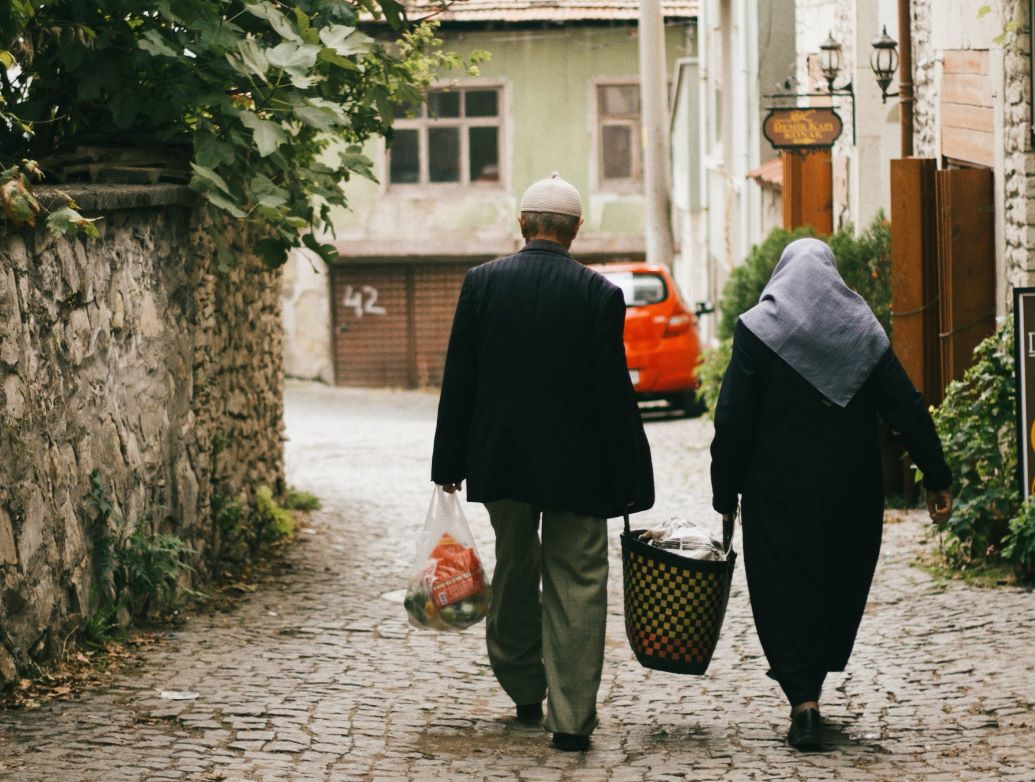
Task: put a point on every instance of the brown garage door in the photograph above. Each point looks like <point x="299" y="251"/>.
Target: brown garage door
<point x="392" y="322"/>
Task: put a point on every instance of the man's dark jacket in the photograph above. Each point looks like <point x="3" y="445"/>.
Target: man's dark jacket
<point x="536" y="401"/>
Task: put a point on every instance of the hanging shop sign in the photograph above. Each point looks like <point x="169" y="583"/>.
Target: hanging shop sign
<point x="1024" y="355"/>
<point x="802" y="128"/>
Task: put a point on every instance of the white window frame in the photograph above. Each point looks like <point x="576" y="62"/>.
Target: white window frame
<point x="424" y="122"/>
<point x="628" y="185"/>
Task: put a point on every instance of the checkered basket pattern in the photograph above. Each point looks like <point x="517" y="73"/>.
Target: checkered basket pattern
<point x="674" y="605"/>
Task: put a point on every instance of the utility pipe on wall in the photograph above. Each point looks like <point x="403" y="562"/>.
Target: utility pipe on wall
<point x="654" y="117"/>
<point x="905" y="75"/>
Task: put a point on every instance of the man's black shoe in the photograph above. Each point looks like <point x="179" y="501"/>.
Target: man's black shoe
<point x="569" y="742"/>
<point x="806" y="731"/>
<point x="530" y="712"/>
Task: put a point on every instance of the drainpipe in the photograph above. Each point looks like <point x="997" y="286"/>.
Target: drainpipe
<point x="905" y="75"/>
<point x="654" y="111"/>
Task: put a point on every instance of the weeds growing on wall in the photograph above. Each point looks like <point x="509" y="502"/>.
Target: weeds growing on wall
<point x="864" y="261"/>
<point x="296" y="499"/>
<point x="138" y="571"/>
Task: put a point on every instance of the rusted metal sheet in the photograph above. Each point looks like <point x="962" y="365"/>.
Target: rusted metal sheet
<point x="392" y="322"/>
<point x="966" y="260"/>
<point x="370" y="326"/>
<point x="914" y="273"/>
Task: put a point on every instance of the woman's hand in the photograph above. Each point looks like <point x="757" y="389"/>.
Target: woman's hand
<point x="939" y="504"/>
<point x="449" y="488"/>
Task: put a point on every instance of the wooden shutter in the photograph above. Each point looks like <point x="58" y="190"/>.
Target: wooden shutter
<point x="914" y="273"/>
<point x="968" y="108"/>
<point x="966" y="261"/>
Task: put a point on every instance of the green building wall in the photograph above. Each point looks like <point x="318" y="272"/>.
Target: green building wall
<point x="548" y="77"/>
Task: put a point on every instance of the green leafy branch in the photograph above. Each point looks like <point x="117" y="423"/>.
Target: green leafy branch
<point x="272" y="100"/>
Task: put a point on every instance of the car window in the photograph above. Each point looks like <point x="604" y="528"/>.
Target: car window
<point x="639" y="288"/>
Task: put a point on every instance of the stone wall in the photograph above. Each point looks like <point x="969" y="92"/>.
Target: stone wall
<point x="134" y="356"/>
<point x="1018" y="160"/>
<point x="925" y="95"/>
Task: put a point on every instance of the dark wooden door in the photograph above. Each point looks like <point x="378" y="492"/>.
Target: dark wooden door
<point x="966" y="261"/>
<point x="808" y="191"/>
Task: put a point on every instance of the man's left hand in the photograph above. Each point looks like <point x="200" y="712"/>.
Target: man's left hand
<point x="449" y="488"/>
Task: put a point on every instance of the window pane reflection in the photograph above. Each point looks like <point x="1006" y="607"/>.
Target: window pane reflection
<point x="405" y="158"/>
<point x="444" y="154"/>
<point x="484" y="153"/>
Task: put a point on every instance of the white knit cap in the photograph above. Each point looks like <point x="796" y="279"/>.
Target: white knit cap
<point x="552" y="194"/>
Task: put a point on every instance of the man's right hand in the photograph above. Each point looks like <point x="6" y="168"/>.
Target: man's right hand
<point x="939" y="504"/>
<point x="449" y="488"/>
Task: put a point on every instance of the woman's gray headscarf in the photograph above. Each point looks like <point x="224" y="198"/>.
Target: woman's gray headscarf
<point x="816" y="323"/>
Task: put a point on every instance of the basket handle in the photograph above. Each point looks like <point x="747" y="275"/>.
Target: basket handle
<point x="727" y="530"/>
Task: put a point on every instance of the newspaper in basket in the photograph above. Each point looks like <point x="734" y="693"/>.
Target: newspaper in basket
<point x="674" y="604"/>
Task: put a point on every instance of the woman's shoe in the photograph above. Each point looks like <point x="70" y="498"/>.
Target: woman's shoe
<point x="806" y="731"/>
<point x="569" y="742"/>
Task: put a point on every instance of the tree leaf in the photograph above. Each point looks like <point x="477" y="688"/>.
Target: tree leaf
<point x="328" y="252"/>
<point x="268" y="135"/>
<point x="314" y="117"/>
<point x="253" y="57"/>
<point x="272" y="251"/>
<point x="211" y="152"/>
<point x="209" y="178"/>
<point x="282" y="25"/>
<point x="19" y="204"/>
<point x="65" y="220"/>
<point x="225" y="203"/>
<point x="153" y="43"/>
<point x="345" y="41"/>
<point x="292" y="55"/>
<point x="984" y="11"/>
<point x="6" y="59"/>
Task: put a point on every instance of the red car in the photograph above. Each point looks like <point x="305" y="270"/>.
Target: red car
<point x="661" y="344"/>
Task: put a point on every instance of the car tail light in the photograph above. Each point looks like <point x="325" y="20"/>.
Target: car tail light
<point x="678" y="324"/>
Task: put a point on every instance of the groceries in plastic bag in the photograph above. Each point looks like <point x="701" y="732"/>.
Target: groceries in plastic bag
<point x="447" y="588"/>
<point x="686" y="539"/>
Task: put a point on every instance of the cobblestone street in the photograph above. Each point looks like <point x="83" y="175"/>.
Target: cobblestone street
<point x="320" y="677"/>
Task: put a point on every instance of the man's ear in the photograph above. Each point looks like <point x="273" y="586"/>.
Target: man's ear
<point x="578" y="225"/>
<point x="521" y="223"/>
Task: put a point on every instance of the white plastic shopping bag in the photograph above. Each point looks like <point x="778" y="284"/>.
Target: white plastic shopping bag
<point x="447" y="588"/>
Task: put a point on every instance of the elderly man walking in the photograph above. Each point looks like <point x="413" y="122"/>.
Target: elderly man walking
<point x="538" y="415"/>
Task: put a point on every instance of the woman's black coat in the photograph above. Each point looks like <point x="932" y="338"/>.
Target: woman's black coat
<point x="809" y="473"/>
<point x="536" y="402"/>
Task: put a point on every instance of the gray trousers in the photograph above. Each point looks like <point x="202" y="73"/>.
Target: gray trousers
<point x="556" y="649"/>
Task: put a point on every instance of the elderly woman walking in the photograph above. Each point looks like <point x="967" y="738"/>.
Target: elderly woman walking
<point x="796" y="437"/>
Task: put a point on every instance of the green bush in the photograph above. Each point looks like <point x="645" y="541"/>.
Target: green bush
<point x="272" y="521"/>
<point x="864" y="261"/>
<point x="976" y="423"/>
<point x="296" y="499"/>
<point x="745" y="283"/>
<point x="1019" y="543"/>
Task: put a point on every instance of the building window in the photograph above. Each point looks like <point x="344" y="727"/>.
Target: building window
<point x="455" y="140"/>
<point x="618" y="135"/>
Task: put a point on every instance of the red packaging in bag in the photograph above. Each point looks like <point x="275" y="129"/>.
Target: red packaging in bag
<point x="458" y="572"/>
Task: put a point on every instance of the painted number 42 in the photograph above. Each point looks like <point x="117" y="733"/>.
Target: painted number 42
<point x="362" y="300"/>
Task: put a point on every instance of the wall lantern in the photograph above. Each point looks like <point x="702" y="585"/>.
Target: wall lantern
<point x="830" y="60"/>
<point x="884" y="62"/>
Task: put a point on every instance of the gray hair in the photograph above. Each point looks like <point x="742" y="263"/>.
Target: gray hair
<point x="549" y="223"/>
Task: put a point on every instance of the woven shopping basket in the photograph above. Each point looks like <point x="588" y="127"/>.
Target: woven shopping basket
<point x="674" y="605"/>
